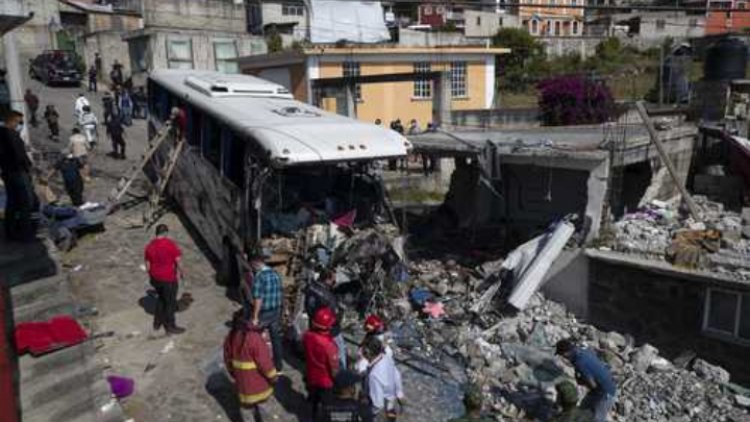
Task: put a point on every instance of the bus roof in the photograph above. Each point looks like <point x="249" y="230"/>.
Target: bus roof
<point x="291" y="132"/>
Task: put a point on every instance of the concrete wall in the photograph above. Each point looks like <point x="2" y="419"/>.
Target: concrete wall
<point x="412" y="38"/>
<point x="561" y="46"/>
<point x="202" y="44"/>
<point x="35" y="35"/>
<point x="485" y="24"/>
<point x="272" y="13"/>
<point x="662" y="308"/>
<point x="111" y="47"/>
<point x="213" y="15"/>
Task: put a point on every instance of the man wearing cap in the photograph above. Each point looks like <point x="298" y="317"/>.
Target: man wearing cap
<point x="567" y="399"/>
<point x="592" y="373"/>
<point x="319" y="293"/>
<point x="249" y="362"/>
<point x="267" y="299"/>
<point x="473" y="405"/>
<point x="321" y="360"/>
<point x="162" y="256"/>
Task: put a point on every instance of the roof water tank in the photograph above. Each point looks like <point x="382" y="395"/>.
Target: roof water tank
<point x="726" y="59"/>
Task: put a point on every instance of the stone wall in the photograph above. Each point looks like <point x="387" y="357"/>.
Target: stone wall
<point x="216" y="15"/>
<point x="662" y="308"/>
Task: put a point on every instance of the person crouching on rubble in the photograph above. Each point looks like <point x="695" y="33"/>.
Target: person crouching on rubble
<point x="319" y="293"/>
<point x="383" y="384"/>
<point x="592" y="373"/>
<point x="344" y="407"/>
<point x="248" y="361"/>
<point x="567" y="399"/>
<point x="473" y="405"/>
<point x="374" y="327"/>
<point x="321" y="360"/>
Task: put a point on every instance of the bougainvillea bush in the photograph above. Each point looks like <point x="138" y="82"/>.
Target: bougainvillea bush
<point x="574" y="100"/>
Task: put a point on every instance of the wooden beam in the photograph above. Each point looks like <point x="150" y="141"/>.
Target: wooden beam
<point x="666" y="160"/>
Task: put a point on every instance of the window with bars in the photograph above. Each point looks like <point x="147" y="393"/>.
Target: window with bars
<point x="225" y="55"/>
<point x="422" y="87"/>
<point x="458" y="79"/>
<point x="292" y="10"/>
<point x="727" y="313"/>
<point x="349" y="69"/>
<point x="180" y="54"/>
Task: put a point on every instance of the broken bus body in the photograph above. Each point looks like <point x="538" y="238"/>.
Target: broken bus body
<point x="256" y="161"/>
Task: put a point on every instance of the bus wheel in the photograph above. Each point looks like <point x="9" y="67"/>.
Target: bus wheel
<point x="229" y="274"/>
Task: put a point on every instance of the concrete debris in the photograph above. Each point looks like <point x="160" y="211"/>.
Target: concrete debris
<point x="710" y="372"/>
<point x="719" y="243"/>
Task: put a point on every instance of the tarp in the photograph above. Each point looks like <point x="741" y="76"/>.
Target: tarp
<point x="354" y="21"/>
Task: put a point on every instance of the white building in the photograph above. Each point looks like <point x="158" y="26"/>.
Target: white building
<point x="485" y="24"/>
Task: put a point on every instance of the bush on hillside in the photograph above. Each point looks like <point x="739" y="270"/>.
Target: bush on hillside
<point x="574" y="100"/>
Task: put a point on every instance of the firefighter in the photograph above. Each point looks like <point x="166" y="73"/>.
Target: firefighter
<point x="248" y="361"/>
<point x="321" y="360"/>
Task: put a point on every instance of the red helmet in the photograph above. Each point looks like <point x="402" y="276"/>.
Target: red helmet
<point x="324" y="319"/>
<point x="374" y="324"/>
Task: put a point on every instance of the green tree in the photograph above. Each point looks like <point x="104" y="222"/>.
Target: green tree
<point x="525" y="60"/>
<point x="274" y="42"/>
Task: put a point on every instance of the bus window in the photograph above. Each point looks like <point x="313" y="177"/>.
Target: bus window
<point x="195" y="125"/>
<point x="162" y="98"/>
<point x="233" y="154"/>
<point x="211" y="145"/>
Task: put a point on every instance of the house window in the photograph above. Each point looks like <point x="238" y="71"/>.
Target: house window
<point x="693" y="23"/>
<point x="180" y="54"/>
<point x="138" y="48"/>
<point x="741" y="5"/>
<point x="534" y="27"/>
<point x="500" y="22"/>
<point x="548" y="28"/>
<point x="660" y="24"/>
<point x="350" y="69"/>
<point x="422" y="87"/>
<point x="575" y="27"/>
<point x="292" y="10"/>
<point x="479" y="20"/>
<point x="727" y="313"/>
<point x="428" y="10"/>
<point x="225" y="54"/>
<point x="573" y="2"/>
<point x="557" y="28"/>
<point x="458" y="79"/>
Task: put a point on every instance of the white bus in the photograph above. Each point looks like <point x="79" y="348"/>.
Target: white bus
<point x="256" y="161"/>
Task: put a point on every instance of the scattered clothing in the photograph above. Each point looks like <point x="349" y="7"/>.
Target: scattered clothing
<point x="602" y="398"/>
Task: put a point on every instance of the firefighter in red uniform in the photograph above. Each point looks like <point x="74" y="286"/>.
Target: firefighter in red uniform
<point x="248" y="360"/>
<point x="321" y="359"/>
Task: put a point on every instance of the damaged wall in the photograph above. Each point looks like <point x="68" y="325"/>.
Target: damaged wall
<point x="661" y="307"/>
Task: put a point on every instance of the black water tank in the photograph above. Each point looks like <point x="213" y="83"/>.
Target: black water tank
<point x="726" y="59"/>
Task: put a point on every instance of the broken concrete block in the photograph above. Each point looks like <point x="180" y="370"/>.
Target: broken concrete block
<point x="710" y="372"/>
<point x="643" y="357"/>
<point x="741" y="400"/>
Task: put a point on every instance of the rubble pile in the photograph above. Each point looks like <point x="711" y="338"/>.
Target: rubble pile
<point x="720" y="240"/>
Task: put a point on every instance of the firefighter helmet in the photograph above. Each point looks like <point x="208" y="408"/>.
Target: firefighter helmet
<point x="324" y="318"/>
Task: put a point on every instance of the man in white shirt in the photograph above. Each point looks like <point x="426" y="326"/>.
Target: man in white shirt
<point x="78" y="148"/>
<point x="383" y="382"/>
<point x="81" y="102"/>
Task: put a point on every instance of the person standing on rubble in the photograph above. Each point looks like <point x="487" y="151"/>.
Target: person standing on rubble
<point x="266" y="298"/>
<point x="321" y="360"/>
<point x="248" y="361"/>
<point x="319" y="293"/>
<point x="382" y="383"/>
<point x="592" y="373"/>
<point x="162" y="256"/>
<point x="473" y="405"/>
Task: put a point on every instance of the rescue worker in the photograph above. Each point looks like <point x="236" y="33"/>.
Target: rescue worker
<point x="266" y="303"/>
<point x="385" y="390"/>
<point x="53" y="122"/>
<point x="567" y="400"/>
<point x="592" y="373"/>
<point x="344" y="406"/>
<point x="248" y="361"/>
<point x="321" y="360"/>
<point x="319" y="293"/>
<point x="473" y="405"/>
<point x="162" y="256"/>
<point x="80" y="103"/>
<point x="15" y="169"/>
<point x="374" y="327"/>
<point x="89" y="124"/>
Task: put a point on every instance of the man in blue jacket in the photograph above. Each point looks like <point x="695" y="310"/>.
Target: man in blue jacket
<point x="592" y="373"/>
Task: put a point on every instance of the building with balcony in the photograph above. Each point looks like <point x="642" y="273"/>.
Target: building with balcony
<point x="550" y="18"/>
<point x="287" y="18"/>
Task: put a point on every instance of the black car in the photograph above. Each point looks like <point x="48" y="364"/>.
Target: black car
<point x="57" y="67"/>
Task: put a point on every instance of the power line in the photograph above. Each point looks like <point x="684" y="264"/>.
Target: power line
<point x="485" y="3"/>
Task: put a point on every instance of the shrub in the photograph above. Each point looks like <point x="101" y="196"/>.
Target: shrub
<point x="574" y="100"/>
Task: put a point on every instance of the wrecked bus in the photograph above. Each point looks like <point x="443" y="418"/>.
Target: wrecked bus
<point x="255" y="161"/>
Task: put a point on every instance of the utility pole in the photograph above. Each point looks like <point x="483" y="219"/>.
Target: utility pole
<point x="661" y="75"/>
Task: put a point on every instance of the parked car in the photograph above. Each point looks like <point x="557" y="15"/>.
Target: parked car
<point x="57" y="67"/>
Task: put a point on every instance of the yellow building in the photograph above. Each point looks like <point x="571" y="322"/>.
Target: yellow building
<point x="472" y="72"/>
<point x="551" y="18"/>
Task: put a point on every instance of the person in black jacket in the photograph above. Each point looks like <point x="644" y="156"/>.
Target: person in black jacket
<point x="319" y="293"/>
<point x="15" y="167"/>
<point x="344" y="406"/>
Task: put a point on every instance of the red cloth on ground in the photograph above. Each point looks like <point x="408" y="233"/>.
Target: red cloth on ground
<point x="321" y="358"/>
<point x="162" y="254"/>
<point x="43" y="337"/>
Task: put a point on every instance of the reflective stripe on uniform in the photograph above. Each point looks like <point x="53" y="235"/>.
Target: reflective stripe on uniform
<point x="244" y="365"/>
<point x="271" y="373"/>
<point x="255" y="398"/>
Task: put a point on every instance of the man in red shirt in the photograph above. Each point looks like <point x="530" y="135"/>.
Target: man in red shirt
<point x="321" y="359"/>
<point x="162" y="257"/>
